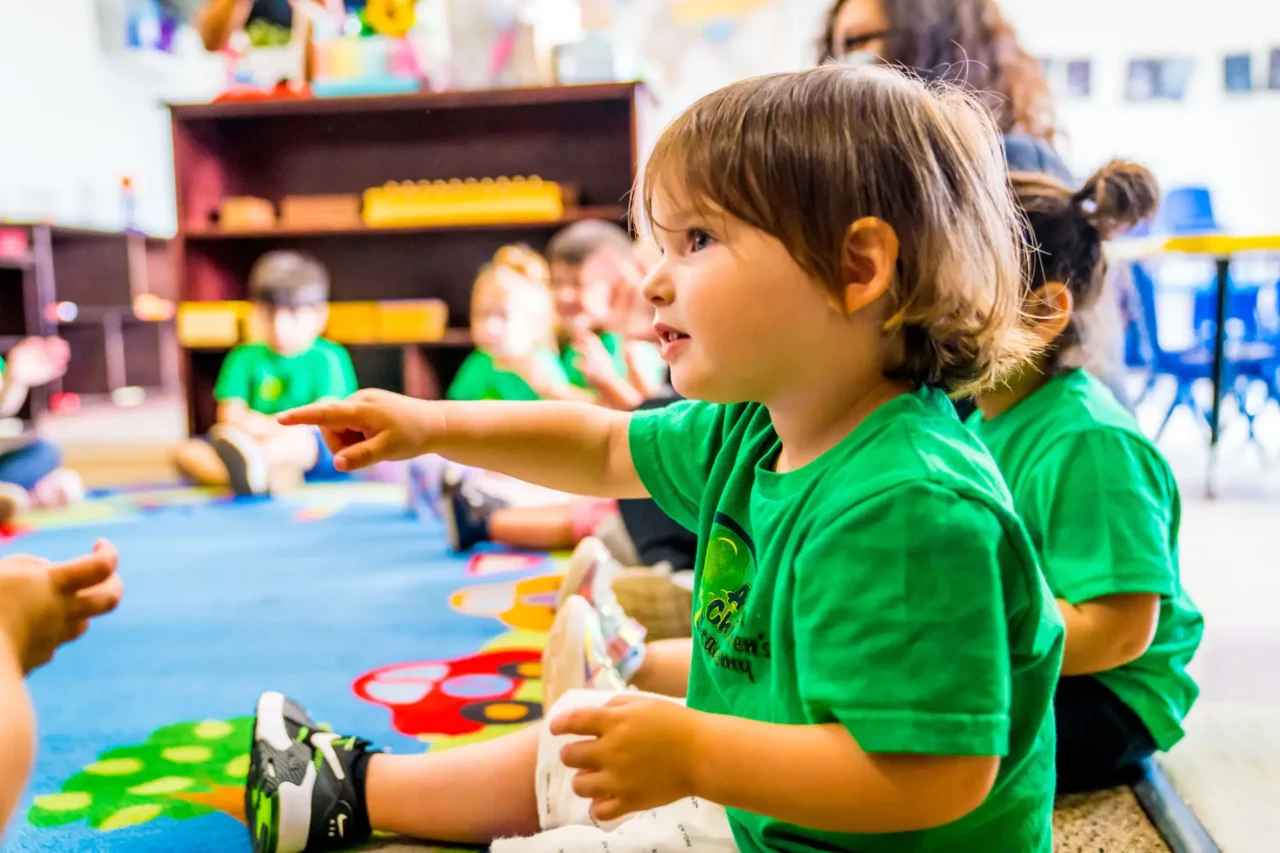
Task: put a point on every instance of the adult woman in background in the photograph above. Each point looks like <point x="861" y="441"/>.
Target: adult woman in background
<point x="969" y="42"/>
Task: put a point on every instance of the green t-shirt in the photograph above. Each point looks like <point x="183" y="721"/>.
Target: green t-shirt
<point x="480" y="379"/>
<point x="1102" y="508"/>
<point x="887" y="586"/>
<point x="613" y="342"/>
<point x="270" y="383"/>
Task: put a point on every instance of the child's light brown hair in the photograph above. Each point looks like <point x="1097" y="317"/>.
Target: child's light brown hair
<point x="1067" y="229"/>
<point x="802" y="156"/>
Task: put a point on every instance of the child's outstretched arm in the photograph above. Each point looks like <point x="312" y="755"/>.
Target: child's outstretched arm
<point x="572" y="447"/>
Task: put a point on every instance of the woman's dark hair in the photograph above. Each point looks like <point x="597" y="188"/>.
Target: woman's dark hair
<point x="1067" y="229"/>
<point x="967" y="42"/>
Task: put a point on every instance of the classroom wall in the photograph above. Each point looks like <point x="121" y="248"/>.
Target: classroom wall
<point x="84" y="118"/>
<point x="91" y="117"/>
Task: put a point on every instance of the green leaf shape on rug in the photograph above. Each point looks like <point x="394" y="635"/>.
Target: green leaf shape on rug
<point x="181" y="771"/>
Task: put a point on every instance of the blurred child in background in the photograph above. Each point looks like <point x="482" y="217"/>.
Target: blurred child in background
<point x="1097" y="497"/>
<point x="31" y="472"/>
<point x="291" y="366"/>
<point x="513" y="328"/>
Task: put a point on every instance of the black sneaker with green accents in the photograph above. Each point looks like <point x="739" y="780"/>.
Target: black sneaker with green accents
<point x="305" y="790"/>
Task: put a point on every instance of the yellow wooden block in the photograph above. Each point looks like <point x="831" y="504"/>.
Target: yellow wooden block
<point x="411" y="321"/>
<point x="210" y="324"/>
<point x="353" y="322"/>
<point x="457" y="202"/>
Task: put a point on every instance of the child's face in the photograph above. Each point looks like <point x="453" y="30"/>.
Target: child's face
<point x="737" y="318"/>
<point x="509" y="315"/>
<point x="291" y="331"/>
<point x="582" y="302"/>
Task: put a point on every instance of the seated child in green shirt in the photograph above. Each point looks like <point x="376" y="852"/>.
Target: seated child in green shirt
<point x="1097" y="497"/>
<point x="592" y="314"/>
<point x="291" y="366"/>
<point x="876" y="648"/>
<point x="511" y="325"/>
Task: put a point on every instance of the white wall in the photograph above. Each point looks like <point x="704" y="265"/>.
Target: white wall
<point x="80" y="119"/>
<point x="1229" y="142"/>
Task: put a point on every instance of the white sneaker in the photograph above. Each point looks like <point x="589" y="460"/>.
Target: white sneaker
<point x="247" y="468"/>
<point x="592" y="569"/>
<point x="575" y="657"/>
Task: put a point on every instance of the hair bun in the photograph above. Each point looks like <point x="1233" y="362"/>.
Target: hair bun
<point x="1118" y="196"/>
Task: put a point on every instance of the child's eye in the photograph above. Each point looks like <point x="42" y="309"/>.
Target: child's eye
<point x="699" y="240"/>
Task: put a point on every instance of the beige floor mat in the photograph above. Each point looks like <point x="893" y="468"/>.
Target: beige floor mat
<point x="1104" y="822"/>
<point x="1227" y="770"/>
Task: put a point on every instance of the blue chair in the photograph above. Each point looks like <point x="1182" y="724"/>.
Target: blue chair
<point x="1244" y="361"/>
<point x="1242" y="307"/>
<point x="1187" y="210"/>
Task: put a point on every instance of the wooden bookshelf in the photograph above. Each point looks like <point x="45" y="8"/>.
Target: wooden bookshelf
<point x="100" y="272"/>
<point x="584" y="136"/>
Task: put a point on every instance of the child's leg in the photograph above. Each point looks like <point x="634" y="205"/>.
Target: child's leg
<point x="310" y="790"/>
<point x="544" y="528"/>
<point x="469" y="795"/>
<point x="17" y="732"/>
<point x="30" y="464"/>
<point x="298" y="448"/>
<point x="195" y="458"/>
<point x="1101" y="741"/>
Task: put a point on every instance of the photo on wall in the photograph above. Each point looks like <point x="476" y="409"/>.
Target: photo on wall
<point x="1163" y="79"/>
<point x="1069" y="78"/>
<point x="1273" y="76"/>
<point x="1237" y="72"/>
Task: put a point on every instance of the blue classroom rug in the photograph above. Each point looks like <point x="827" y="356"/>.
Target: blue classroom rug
<point x="333" y="595"/>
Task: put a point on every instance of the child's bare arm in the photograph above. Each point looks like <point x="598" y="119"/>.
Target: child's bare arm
<point x="17" y="731"/>
<point x="647" y="752"/>
<point x="1107" y="632"/>
<point x="819" y="777"/>
<point x="571" y="447"/>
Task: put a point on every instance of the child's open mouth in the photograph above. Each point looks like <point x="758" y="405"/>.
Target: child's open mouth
<point x="670" y="340"/>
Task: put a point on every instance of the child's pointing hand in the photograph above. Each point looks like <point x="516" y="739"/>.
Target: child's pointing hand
<point x="371" y="426"/>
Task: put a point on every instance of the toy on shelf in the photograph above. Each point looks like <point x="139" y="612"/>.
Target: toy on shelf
<point x="246" y="213"/>
<point x="210" y="325"/>
<point x="372" y="65"/>
<point x="320" y="212"/>
<point x="470" y="202"/>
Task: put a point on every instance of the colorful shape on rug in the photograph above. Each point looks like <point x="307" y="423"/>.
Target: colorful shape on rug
<point x="335" y="596"/>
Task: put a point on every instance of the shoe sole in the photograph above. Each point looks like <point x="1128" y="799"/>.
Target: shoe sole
<point x="563" y="657"/>
<point x="578" y="568"/>
<point x="246" y="471"/>
<point x="449" y="509"/>
<point x="283" y="787"/>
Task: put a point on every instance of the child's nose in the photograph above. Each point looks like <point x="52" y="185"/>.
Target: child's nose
<point x="657" y="287"/>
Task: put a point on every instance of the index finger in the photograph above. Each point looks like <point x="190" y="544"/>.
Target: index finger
<point x="87" y="571"/>
<point x="334" y="414"/>
<point x="587" y="722"/>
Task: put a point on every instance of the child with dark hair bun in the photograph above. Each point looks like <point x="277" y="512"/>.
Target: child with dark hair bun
<point x="1097" y="497"/>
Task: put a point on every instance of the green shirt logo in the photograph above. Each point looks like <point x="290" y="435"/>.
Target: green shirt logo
<point x="270" y="388"/>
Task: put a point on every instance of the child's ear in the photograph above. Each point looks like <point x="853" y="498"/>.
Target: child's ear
<point x="869" y="262"/>
<point x="322" y="318"/>
<point x="1051" y="304"/>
